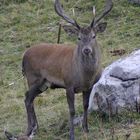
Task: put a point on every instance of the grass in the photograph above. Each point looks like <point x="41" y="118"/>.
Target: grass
<point x="27" y="22"/>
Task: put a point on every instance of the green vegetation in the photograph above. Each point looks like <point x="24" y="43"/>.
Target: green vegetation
<point x="27" y="22"/>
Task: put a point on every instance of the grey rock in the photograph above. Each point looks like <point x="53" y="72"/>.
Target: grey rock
<point x="119" y="86"/>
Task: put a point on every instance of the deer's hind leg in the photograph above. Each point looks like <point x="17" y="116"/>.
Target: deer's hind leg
<point x="35" y="88"/>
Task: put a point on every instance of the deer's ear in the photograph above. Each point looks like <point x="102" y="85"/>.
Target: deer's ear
<point x="100" y="27"/>
<point x="71" y="30"/>
<point x="10" y="136"/>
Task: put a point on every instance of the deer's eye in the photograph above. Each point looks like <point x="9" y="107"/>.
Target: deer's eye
<point x="93" y="36"/>
<point x="79" y="38"/>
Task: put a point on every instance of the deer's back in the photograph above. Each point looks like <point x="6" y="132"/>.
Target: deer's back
<point x="52" y="62"/>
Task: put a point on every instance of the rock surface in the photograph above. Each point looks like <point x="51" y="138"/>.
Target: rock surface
<point x="118" y="87"/>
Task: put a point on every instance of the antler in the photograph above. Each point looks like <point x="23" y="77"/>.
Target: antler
<point x="107" y="9"/>
<point x="59" y="10"/>
<point x="9" y="135"/>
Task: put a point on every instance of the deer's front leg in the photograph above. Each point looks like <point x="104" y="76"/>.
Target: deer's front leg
<point x="70" y="100"/>
<point x="85" y="105"/>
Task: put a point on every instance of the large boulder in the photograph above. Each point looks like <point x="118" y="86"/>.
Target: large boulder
<point x="118" y="87"/>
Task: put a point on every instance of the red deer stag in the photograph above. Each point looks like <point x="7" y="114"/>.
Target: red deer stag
<point x="75" y="68"/>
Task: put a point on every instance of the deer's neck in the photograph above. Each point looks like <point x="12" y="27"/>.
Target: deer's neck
<point x="86" y="67"/>
<point x="88" y="63"/>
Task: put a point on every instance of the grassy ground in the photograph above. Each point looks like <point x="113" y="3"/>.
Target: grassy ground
<point x="27" y="22"/>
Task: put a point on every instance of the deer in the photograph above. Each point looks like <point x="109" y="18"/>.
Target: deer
<point x="75" y="68"/>
<point x="10" y="136"/>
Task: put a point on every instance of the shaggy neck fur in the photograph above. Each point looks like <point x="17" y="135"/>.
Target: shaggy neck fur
<point x="86" y="66"/>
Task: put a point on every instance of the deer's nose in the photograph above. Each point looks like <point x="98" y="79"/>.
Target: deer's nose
<point x="87" y="51"/>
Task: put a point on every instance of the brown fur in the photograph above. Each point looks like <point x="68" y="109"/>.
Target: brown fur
<point x="49" y="61"/>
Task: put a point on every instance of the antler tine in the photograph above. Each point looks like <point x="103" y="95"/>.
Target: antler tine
<point x="59" y="10"/>
<point x="107" y="9"/>
<point x="8" y="134"/>
<point x="94" y="12"/>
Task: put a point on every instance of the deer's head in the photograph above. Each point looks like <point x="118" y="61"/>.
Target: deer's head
<point x="86" y="35"/>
